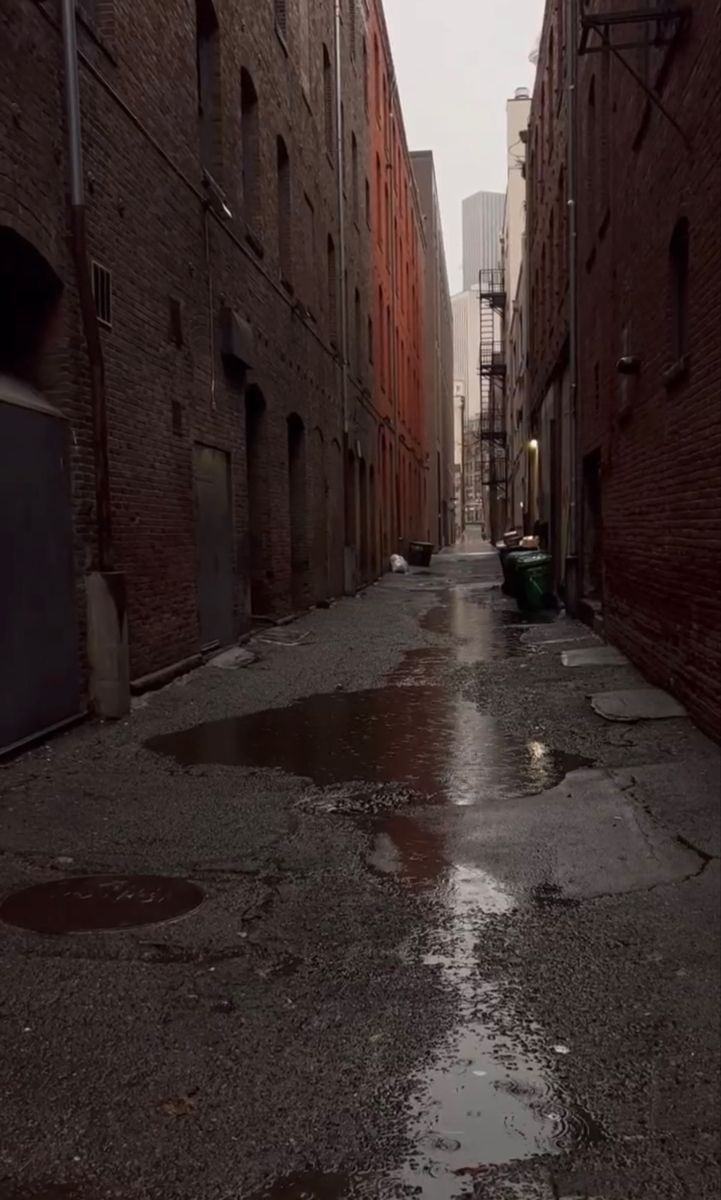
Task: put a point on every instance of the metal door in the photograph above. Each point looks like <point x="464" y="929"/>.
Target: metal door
<point x="39" y="651"/>
<point x="214" y="543"/>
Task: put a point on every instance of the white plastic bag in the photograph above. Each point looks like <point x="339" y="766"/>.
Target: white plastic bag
<point x="399" y="566"/>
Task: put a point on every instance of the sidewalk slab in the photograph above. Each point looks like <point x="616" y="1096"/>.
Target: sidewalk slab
<point x="594" y="656"/>
<point x="637" y="704"/>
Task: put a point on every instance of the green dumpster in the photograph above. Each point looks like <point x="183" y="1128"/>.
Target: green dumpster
<point x="534" y="581"/>
<point x="511" y="563"/>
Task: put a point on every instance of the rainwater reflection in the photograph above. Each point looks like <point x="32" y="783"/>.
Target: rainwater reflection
<point x="425" y="737"/>
<point x="486" y="1098"/>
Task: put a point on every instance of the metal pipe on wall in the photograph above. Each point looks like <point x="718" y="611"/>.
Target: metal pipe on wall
<point x="341" y="213"/>
<point x="575" y="532"/>
<point x="78" y="234"/>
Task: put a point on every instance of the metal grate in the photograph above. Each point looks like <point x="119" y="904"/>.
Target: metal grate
<point x="103" y="294"/>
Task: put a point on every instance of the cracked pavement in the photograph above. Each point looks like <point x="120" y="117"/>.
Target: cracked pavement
<point x="458" y="935"/>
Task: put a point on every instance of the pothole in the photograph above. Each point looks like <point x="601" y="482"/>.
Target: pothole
<point x="95" y="902"/>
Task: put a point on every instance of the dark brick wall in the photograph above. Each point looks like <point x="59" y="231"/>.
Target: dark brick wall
<point x="547" y="228"/>
<point x="148" y="224"/>
<point x="659" y="440"/>
<point x="657" y="434"/>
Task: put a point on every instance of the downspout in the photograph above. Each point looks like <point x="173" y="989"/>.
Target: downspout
<point x="340" y="156"/>
<point x="78" y="235"/>
<point x="107" y="620"/>
<point x="574" y="531"/>
<point x="393" y="94"/>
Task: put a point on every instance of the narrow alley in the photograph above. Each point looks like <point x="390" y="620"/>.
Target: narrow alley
<point x="384" y="909"/>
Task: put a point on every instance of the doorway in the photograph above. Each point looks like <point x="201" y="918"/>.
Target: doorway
<point x="363" y="499"/>
<point x="592" y="580"/>
<point x="39" y="648"/>
<point x="297" y="510"/>
<point x="256" y="459"/>
<point x="214" y="545"/>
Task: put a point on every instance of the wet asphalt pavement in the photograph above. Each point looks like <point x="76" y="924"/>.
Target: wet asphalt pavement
<point x="396" y="914"/>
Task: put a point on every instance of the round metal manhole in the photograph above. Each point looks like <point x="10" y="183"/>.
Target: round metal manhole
<point x="99" y="902"/>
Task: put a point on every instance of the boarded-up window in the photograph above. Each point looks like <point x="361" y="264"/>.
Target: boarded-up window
<point x="281" y="17"/>
<point x="250" y="148"/>
<point x="328" y="101"/>
<point x="207" y="48"/>
<point x="284" y="211"/>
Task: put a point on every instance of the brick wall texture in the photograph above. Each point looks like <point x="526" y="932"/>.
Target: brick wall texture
<point x="179" y="263"/>
<point x="649" y="278"/>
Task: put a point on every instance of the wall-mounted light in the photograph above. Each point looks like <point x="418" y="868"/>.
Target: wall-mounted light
<point x="533" y="444"/>
<point x="630" y="364"/>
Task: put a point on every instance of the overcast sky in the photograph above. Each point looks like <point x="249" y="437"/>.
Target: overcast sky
<point x="457" y="62"/>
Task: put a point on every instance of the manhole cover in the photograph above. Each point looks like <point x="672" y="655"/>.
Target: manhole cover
<point x="99" y="902"/>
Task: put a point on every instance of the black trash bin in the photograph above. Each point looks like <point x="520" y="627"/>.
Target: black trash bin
<point x="420" y="554"/>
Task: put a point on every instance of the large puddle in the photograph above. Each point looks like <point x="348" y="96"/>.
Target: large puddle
<point x="424" y="737"/>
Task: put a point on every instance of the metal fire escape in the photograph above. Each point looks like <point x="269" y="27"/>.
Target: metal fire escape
<point x="492" y="366"/>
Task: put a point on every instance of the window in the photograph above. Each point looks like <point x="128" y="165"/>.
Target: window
<point x="357" y="330"/>
<point x="388" y="220"/>
<point x="328" y="101"/>
<point x="103" y="294"/>
<point x="332" y="293"/>
<point x="304" y="43"/>
<point x="365" y="74"/>
<point x="591" y="144"/>
<point x="381" y="338"/>
<point x="679" y="255"/>
<point x="281" y="18"/>
<point x="284" y="210"/>
<point x="207" y="59"/>
<point x="354" y="177"/>
<point x="250" y="147"/>
<point x="376" y="78"/>
<point x="368" y="204"/>
<point x="379" y="202"/>
<point x="310" y="253"/>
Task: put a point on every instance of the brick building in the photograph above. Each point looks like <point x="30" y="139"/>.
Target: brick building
<point x="637" y="455"/>
<point x="437" y="323"/>
<point x="396" y="283"/>
<point x="220" y="389"/>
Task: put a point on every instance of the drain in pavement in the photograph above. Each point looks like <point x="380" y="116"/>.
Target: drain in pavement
<point x="95" y="902"/>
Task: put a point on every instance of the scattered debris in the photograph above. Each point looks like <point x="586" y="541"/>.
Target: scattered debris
<point x="231" y="660"/>
<point x="279" y="639"/>
<point x="399" y="566"/>
<point x="179" y="1106"/>
<point x="561" y="1049"/>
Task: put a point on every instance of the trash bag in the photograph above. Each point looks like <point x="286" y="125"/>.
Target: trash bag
<point x="399" y="566"/>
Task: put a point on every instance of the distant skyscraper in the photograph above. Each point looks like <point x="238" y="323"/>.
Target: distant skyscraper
<point x="482" y="226"/>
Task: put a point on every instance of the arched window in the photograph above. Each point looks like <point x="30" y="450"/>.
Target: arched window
<point x="207" y="59"/>
<point x="679" y="257"/>
<point x="284" y="210"/>
<point x="281" y="18"/>
<point x="250" y="147"/>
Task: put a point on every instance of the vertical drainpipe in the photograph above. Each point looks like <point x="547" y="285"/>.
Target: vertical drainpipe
<point x="107" y="629"/>
<point x="393" y="94"/>
<point x="340" y="157"/>
<point x="78" y="232"/>
<point x="575" y="533"/>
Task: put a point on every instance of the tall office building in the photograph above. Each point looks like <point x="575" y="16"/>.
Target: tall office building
<point x="482" y="228"/>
